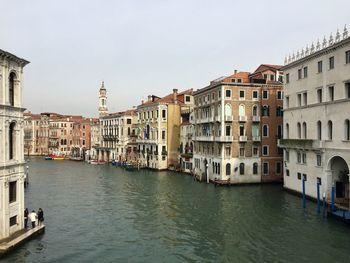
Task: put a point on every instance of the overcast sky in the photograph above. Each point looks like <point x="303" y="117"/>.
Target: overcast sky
<point x="141" y="47"/>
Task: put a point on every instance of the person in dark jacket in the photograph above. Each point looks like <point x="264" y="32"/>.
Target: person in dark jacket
<point x="26" y="213"/>
<point x="40" y="217"/>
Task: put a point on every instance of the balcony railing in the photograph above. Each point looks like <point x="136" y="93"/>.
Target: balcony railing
<point x="204" y="138"/>
<point x="242" y="138"/>
<point x="242" y="118"/>
<point x="256" y="138"/>
<point x="228" y="118"/>
<point x="223" y="138"/>
<point x="256" y="118"/>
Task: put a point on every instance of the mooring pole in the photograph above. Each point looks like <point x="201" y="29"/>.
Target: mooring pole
<point x="324" y="204"/>
<point x="318" y="198"/>
<point x="304" y="197"/>
<point x="333" y="197"/>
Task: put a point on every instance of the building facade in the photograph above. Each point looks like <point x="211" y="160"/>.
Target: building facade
<point x="36" y="134"/>
<point x="158" y="129"/>
<point x="235" y="139"/>
<point x="316" y="119"/>
<point x="12" y="162"/>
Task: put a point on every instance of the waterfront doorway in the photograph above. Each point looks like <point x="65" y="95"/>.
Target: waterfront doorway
<point x="340" y="177"/>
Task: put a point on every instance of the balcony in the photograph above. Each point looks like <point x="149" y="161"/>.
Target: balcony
<point x="228" y="118"/>
<point x="242" y="118"/>
<point x="301" y="144"/>
<point x="223" y="138"/>
<point x="256" y="139"/>
<point x="218" y="118"/>
<point x="255" y="118"/>
<point x="242" y="138"/>
<point x="204" y="138"/>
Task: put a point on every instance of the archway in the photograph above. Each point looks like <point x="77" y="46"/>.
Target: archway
<point x="340" y="177"/>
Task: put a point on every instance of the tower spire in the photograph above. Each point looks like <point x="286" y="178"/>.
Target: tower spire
<point x="103" y="110"/>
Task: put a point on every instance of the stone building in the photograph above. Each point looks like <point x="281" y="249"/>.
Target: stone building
<point x="186" y="136"/>
<point x="235" y="127"/>
<point x="158" y="131"/>
<point x="316" y="119"/>
<point x="12" y="162"/>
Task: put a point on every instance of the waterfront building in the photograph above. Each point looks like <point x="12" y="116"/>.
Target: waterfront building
<point x="316" y="119"/>
<point x="237" y="121"/>
<point x="186" y="136"/>
<point x="116" y="131"/>
<point x="95" y="138"/>
<point x="158" y="131"/>
<point x="36" y="134"/>
<point x="12" y="174"/>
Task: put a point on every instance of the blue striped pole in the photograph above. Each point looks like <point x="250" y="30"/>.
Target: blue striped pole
<point x="304" y="198"/>
<point x="318" y="198"/>
<point x="333" y="197"/>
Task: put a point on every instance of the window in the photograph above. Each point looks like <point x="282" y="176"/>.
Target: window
<point x="331" y="93"/>
<point x="280" y="95"/>
<point x="228" y="131"/>
<point x="187" y="98"/>
<point x="305" y="72"/>
<point x="278" y="168"/>
<point x="239" y="80"/>
<point x="304" y="130"/>
<point x="265" y="168"/>
<point x="331" y="63"/>
<point x="164" y="114"/>
<point x="241" y="151"/>
<point x="241" y="130"/>
<point x="241" y="94"/>
<point x="319" y="181"/>
<point x="299" y="100"/>
<point x="265" y="94"/>
<point x="287" y="102"/>
<point x="330" y="130"/>
<point x="347" y="130"/>
<point x="12" y="88"/>
<point x="265" y="149"/>
<point x="319" y="66"/>
<point x="272" y="77"/>
<point x="287" y="172"/>
<point x="265" y="76"/>
<point x="347" y="57"/>
<point x="228" y="169"/>
<point x="12" y="191"/>
<point x="286" y="155"/>
<point x="287" y="131"/>
<point x="13" y="220"/>
<point x="228" y="93"/>
<point x="298" y="157"/>
<point x="265" y="110"/>
<point x="303" y="157"/>
<point x="347" y="90"/>
<point x="228" y="151"/>
<point x="305" y="177"/>
<point x="233" y="80"/>
<point x="128" y="121"/>
<point x="299" y="73"/>
<point x="318" y="160"/>
<point x="299" y="176"/>
<point x="255" y="151"/>
<point x="319" y="95"/>
<point x="305" y="98"/>
<point x="255" y="94"/>
<point x="279" y="111"/>
<point x="163" y="135"/>
<point x="241" y="168"/>
<point x="255" y="168"/>
<point x="319" y="130"/>
<point x="266" y="130"/>
<point x="11" y="140"/>
<point x="299" y="130"/>
<point x="287" y="78"/>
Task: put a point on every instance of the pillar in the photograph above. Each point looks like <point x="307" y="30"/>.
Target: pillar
<point x="327" y="186"/>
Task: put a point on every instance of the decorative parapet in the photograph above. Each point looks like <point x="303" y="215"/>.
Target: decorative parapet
<point x="319" y="46"/>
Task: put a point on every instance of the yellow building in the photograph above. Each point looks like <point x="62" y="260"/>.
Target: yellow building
<point x="158" y="129"/>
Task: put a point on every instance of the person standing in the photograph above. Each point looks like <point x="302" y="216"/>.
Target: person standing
<point x="40" y="217"/>
<point x="26" y="212"/>
<point x="33" y="216"/>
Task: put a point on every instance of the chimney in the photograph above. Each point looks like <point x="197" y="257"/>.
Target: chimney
<point x="149" y="98"/>
<point x="235" y="71"/>
<point x="175" y="95"/>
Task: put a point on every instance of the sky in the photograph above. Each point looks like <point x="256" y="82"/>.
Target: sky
<point x="144" y="47"/>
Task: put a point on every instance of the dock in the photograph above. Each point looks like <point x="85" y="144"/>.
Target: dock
<point x="18" y="238"/>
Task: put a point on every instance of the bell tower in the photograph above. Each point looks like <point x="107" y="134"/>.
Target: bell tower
<point x="102" y="110"/>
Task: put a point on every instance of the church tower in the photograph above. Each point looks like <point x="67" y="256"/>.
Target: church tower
<point x="102" y="110"/>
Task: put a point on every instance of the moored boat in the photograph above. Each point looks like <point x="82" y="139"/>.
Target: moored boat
<point x="48" y="158"/>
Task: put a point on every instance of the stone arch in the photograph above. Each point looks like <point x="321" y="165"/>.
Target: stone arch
<point x="340" y="177"/>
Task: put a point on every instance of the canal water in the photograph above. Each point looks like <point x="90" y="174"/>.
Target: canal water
<point x="107" y="214"/>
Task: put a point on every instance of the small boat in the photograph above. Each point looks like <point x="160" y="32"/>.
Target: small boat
<point x="76" y="158"/>
<point x="58" y="158"/>
<point x="97" y="162"/>
<point x="48" y="158"/>
<point x="130" y="167"/>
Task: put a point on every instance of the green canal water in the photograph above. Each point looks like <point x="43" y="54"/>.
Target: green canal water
<point x="107" y="214"/>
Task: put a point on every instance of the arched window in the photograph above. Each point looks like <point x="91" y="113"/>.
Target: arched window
<point x="228" y="169"/>
<point x="241" y="110"/>
<point x="319" y="130"/>
<point x="255" y="110"/>
<point x="12" y="88"/>
<point x="347" y="130"/>
<point x="61" y="141"/>
<point x="304" y="130"/>
<point x="218" y="168"/>
<point x="287" y="131"/>
<point x="255" y="168"/>
<point x="265" y="110"/>
<point x="241" y="168"/>
<point x="279" y="111"/>
<point x="214" y="166"/>
<point x="12" y="140"/>
<point x="228" y="110"/>
<point x="330" y="130"/>
<point x="299" y="130"/>
<point x="265" y="130"/>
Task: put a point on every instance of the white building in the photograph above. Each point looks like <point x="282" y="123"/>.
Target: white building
<point x="317" y="120"/>
<point x="11" y="144"/>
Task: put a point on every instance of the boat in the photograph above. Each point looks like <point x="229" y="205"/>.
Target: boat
<point x="58" y="158"/>
<point x="48" y="158"/>
<point x="130" y="167"/>
<point x="97" y="162"/>
<point x="76" y="158"/>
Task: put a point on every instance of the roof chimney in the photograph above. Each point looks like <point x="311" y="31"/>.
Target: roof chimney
<point x="149" y="98"/>
<point x="235" y="71"/>
<point x="175" y="95"/>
